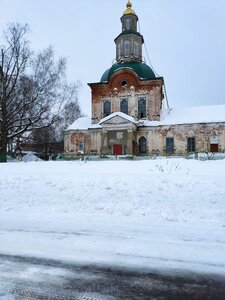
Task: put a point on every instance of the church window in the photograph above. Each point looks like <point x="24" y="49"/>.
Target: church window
<point x="169" y="145"/>
<point x="141" y="108"/>
<point x="142" y="145"/>
<point x="124" y="83"/>
<point x="81" y="148"/>
<point x="119" y="51"/>
<point x="127" y="24"/>
<point x="106" y="108"/>
<point x="127" y="48"/>
<point x="191" y="144"/>
<point x="124" y="106"/>
<point x="136" y="49"/>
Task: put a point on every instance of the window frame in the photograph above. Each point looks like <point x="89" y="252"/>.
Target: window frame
<point x="81" y="147"/>
<point x="169" y="145"/>
<point x="126" y="48"/>
<point x="127" y="24"/>
<point x="119" y="51"/>
<point x="136" y="49"/>
<point x="122" y="100"/>
<point x="142" y="113"/>
<point x="142" y="145"/>
<point x="107" y="110"/>
<point x="191" y="144"/>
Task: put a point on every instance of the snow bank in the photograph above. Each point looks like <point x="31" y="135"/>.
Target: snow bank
<point x="30" y="157"/>
<point x="153" y="214"/>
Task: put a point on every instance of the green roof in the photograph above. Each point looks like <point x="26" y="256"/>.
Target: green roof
<point x="143" y="71"/>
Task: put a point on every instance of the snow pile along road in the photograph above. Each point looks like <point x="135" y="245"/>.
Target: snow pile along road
<point x="163" y="213"/>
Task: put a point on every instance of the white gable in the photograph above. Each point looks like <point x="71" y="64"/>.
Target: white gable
<point x="118" y="118"/>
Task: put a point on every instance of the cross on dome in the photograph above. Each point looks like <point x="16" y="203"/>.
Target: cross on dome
<point x="129" y="4"/>
<point x="129" y="9"/>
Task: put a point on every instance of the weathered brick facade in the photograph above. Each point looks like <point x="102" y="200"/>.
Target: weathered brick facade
<point x="205" y="135"/>
<point x="135" y="88"/>
<point x="209" y="137"/>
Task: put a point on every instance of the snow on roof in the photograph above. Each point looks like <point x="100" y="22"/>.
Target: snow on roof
<point x="189" y="115"/>
<point x="82" y="123"/>
<point x="119" y="114"/>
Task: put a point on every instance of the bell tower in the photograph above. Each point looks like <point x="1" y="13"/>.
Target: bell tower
<point x="129" y="41"/>
<point x="129" y="86"/>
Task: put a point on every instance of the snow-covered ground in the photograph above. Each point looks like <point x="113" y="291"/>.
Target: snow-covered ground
<point x="164" y="214"/>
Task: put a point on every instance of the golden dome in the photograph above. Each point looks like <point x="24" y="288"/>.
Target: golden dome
<point x="129" y="9"/>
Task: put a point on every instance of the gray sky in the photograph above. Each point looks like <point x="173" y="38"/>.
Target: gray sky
<point x="185" y="41"/>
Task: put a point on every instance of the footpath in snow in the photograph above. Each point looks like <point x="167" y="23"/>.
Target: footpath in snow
<point x="163" y="214"/>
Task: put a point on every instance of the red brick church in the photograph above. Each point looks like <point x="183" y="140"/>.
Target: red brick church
<point x="128" y="112"/>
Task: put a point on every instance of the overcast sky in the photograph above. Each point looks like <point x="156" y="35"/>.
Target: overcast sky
<point x="185" y="41"/>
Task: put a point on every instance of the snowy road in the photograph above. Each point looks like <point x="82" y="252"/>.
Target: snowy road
<point x="34" y="279"/>
<point x="143" y="244"/>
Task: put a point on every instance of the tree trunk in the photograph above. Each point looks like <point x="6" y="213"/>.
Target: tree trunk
<point x="3" y="123"/>
<point x="3" y="136"/>
<point x="3" y="145"/>
<point x="3" y="156"/>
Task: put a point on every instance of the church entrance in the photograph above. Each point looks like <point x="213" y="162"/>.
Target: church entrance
<point x="117" y="149"/>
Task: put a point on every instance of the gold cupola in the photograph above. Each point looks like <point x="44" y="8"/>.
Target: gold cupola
<point x="129" y="9"/>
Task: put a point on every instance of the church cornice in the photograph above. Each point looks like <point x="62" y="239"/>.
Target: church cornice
<point x="128" y="32"/>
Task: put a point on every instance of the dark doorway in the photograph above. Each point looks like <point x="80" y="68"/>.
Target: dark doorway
<point x="134" y="148"/>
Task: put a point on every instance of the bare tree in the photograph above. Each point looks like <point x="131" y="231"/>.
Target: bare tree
<point x="55" y="133"/>
<point x="33" y="89"/>
<point x="70" y="112"/>
<point x="50" y="139"/>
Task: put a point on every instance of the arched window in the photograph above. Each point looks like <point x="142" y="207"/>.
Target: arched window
<point x="124" y="106"/>
<point x="141" y="108"/>
<point x="136" y="49"/>
<point x="106" y="108"/>
<point x="127" y="26"/>
<point x="118" y="51"/>
<point x="127" y="48"/>
<point x="142" y="145"/>
<point x="81" y="147"/>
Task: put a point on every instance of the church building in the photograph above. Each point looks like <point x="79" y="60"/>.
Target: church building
<point x="129" y="113"/>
